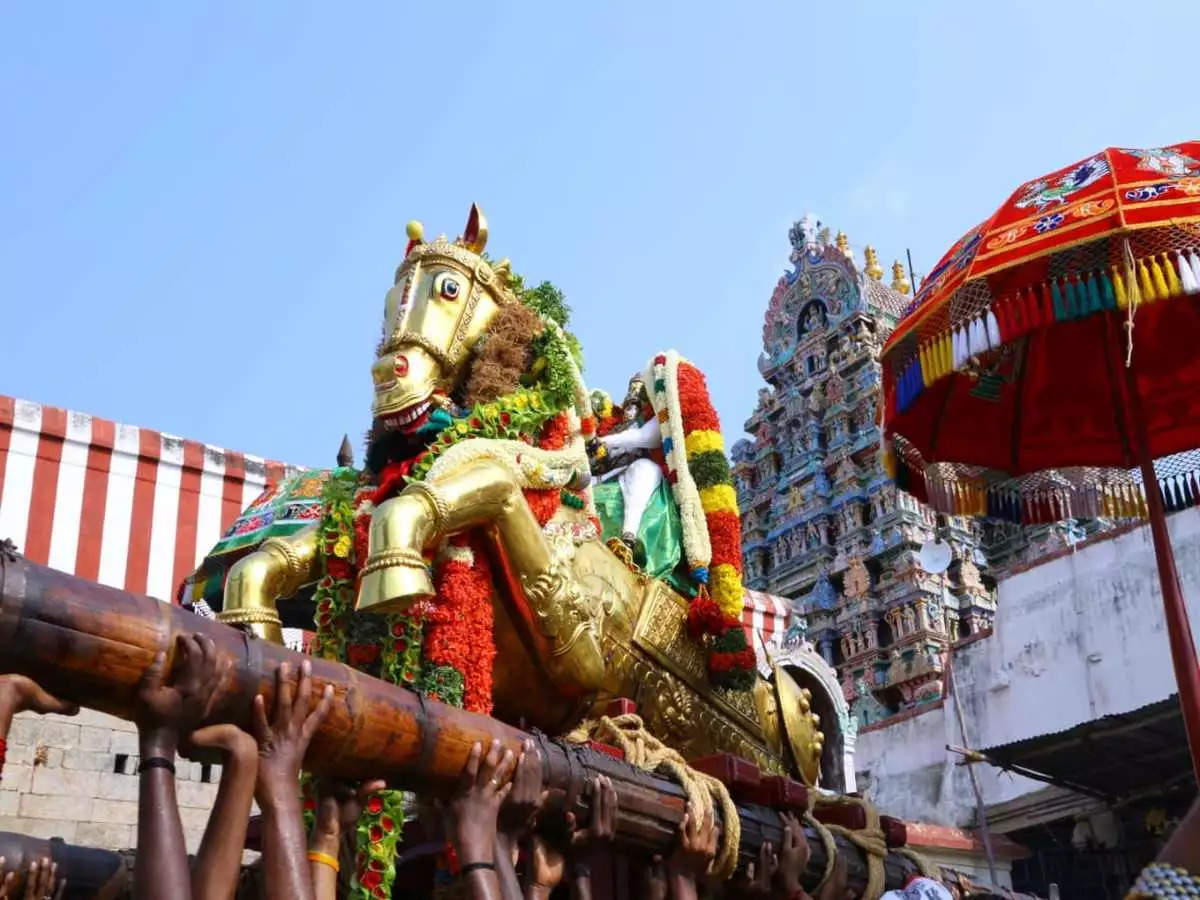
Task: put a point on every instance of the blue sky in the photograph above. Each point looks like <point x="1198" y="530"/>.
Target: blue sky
<point x="201" y="205"/>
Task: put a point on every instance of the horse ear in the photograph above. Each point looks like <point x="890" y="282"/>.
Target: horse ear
<point x="475" y="235"/>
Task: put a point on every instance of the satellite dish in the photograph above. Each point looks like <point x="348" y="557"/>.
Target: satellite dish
<point x="935" y="556"/>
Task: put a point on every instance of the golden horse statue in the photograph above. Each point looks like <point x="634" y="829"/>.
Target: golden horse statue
<point x="575" y="626"/>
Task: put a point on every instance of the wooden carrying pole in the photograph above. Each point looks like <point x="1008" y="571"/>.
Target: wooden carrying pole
<point x="89" y="872"/>
<point x="90" y="644"/>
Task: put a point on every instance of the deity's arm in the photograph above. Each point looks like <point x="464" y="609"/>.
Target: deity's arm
<point x="277" y="569"/>
<point x="645" y="437"/>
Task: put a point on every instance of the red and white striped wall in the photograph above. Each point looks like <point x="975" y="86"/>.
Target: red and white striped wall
<point x="766" y="616"/>
<point x="125" y="506"/>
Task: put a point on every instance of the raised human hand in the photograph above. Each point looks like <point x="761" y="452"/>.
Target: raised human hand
<point x="191" y="695"/>
<point x="793" y="856"/>
<point x="602" y="825"/>
<point x="42" y="881"/>
<point x="835" y="887"/>
<point x="8" y="880"/>
<point x="655" y="884"/>
<point x="482" y="788"/>
<point x="519" y="810"/>
<point x="697" y="843"/>
<point x="547" y="863"/>
<point x="224" y="736"/>
<point x="760" y="874"/>
<point x="284" y="738"/>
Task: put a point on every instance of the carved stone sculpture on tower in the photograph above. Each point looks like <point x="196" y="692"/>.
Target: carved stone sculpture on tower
<point x="825" y="373"/>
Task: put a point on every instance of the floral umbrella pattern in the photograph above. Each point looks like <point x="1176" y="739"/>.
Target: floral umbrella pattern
<point x="1108" y="193"/>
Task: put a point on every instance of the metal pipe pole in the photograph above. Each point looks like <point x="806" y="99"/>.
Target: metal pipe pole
<point x="1179" y="628"/>
<point x="980" y="808"/>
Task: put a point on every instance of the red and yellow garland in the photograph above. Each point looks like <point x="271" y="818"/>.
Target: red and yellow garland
<point x="703" y="487"/>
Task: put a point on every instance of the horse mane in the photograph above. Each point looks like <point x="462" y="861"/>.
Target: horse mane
<point x="503" y="355"/>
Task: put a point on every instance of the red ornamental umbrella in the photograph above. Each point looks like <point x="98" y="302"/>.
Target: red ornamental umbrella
<point x="1053" y="355"/>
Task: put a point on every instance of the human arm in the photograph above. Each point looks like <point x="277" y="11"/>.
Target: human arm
<point x="473" y="808"/>
<point x="694" y="853"/>
<point x="518" y="816"/>
<point x="655" y="884"/>
<point x="506" y="869"/>
<point x="793" y="858"/>
<point x="587" y="843"/>
<point x="218" y="862"/>
<point x="282" y="742"/>
<point x="646" y="436"/>
<point x="547" y="862"/>
<point x="339" y="804"/>
<point x="163" y="712"/>
<point x="18" y="694"/>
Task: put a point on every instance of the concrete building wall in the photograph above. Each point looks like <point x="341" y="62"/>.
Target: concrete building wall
<point x="1075" y="638"/>
<point x="75" y="777"/>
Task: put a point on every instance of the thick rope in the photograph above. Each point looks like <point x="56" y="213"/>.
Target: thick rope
<point x="648" y="753"/>
<point x="1134" y="292"/>
<point x="872" y="842"/>
<point x="827" y="840"/>
<point x="924" y="865"/>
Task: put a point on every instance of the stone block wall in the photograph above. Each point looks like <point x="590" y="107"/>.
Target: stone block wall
<point x="75" y="777"/>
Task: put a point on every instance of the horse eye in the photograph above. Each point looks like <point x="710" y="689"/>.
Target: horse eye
<point x="450" y="289"/>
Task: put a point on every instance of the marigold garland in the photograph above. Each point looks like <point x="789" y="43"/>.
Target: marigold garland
<point x="334" y="594"/>
<point x="703" y="488"/>
<point x="516" y="416"/>
<point x="555" y="433"/>
<point x="544" y="502"/>
<point x="459" y="625"/>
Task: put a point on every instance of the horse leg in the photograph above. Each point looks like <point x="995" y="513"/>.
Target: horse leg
<point x="484" y="494"/>
<point x="278" y="568"/>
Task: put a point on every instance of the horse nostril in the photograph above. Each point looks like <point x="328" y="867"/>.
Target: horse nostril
<point x="401" y="366"/>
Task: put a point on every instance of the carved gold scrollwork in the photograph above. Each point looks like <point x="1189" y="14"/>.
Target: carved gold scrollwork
<point x="565" y="612"/>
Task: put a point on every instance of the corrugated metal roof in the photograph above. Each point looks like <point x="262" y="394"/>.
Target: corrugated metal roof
<point x="1142" y="750"/>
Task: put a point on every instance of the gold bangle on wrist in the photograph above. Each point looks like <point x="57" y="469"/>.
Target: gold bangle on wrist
<point x="324" y="859"/>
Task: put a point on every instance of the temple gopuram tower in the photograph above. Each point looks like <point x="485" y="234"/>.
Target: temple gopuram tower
<point x="821" y="521"/>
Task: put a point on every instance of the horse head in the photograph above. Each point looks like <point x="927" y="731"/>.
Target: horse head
<point x="444" y="297"/>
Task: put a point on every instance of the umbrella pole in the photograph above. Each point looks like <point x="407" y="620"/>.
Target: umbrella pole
<point x="1179" y="628"/>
